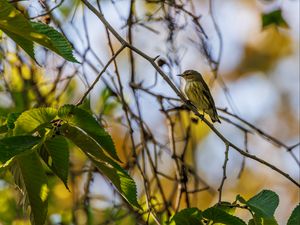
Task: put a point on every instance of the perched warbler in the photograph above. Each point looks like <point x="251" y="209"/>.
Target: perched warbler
<point x="198" y="93"/>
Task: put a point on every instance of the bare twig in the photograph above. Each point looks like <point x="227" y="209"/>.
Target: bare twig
<point x="179" y="94"/>
<point x="100" y="74"/>
<point x="220" y="189"/>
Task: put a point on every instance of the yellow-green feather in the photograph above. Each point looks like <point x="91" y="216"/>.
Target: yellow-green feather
<point x="200" y="96"/>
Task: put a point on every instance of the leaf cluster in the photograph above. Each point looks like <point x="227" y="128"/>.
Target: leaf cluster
<point x="25" y="33"/>
<point x="42" y="135"/>
<point x="261" y="206"/>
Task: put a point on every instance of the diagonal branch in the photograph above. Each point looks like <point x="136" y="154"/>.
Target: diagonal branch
<point x="181" y="96"/>
<point x="100" y="74"/>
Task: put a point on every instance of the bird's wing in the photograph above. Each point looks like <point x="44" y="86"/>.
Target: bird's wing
<point x="207" y="94"/>
<point x="208" y="98"/>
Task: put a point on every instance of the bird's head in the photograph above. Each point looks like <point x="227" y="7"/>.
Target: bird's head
<point x="190" y="75"/>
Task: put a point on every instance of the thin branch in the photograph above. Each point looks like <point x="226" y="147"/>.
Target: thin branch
<point x="181" y="96"/>
<point x="266" y="136"/>
<point x="244" y="158"/>
<point x="100" y="74"/>
<point x="220" y="189"/>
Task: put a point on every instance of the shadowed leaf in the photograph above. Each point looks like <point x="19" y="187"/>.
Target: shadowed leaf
<point x="30" y="177"/>
<point x="113" y="171"/>
<point x="85" y="121"/>
<point x="275" y="18"/>
<point x="219" y="216"/>
<point x="13" y="146"/>
<point x="295" y="217"/>
<point x="189" y="216"/>
<point x="55" y="153"/>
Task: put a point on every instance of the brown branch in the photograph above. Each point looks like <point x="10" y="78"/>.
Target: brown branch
<point x="100" y="74"/>
<point x="181" y="96"/>
<point x="244" y="158"/>
<point x="220" y="189"/>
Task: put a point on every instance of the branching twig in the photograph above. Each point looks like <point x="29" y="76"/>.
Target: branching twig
<point x="100" y="74"/>
<point x="181" y="96"/>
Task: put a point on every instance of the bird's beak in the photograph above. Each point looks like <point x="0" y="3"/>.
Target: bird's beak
<point x="180" y="75"/>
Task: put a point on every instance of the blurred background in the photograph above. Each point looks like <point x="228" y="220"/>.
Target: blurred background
<point x="250" y="64"/>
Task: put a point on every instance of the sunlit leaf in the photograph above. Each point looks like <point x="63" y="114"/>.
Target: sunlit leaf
<point x="14" y="24"/>
<point x="58" y="43"/>
<point x="24" y="33"/>
<point x="31" y="119"/>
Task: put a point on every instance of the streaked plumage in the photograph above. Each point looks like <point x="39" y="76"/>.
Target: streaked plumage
<point x="198" y="93"/>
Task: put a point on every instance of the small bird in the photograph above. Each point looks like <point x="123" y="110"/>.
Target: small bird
<point x="198" y="93"/>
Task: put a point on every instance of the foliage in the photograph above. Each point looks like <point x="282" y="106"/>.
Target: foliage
<point x="274" y="18"/>
<point x="24" y="33"/>
<point x="187" y="216"/>
<point x="295" y="216"/>
<point x="44" y="131"/>
<point x="261" y="206"/>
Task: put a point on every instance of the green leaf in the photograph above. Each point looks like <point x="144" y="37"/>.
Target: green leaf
<point x="58" y="43"/>
<point x="25" y="44"/>
<point x="29" y="121"/>
<point x="252" y="222"/>
<point x="55" y="153"/>
<point x="11" y="119"/>
<point x="275" y="18"/>
<point x="120" y="179"/>
<point x="85" y="121"/>
<point x="295" y="217"/>
<point x="219" y="216"/>
<point x="3" y="129"/>
<point x="188" y="216"/>
<point x="14" y="24"/>
<point x="24" y="33"/>
<point x="30" y="177"/>
<point x="113" y="171"/>
<point x="264" y="203"/>
<point x="262" y="221"/>
<point x="226" y="207"/>
<point x="12" y="146"/>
